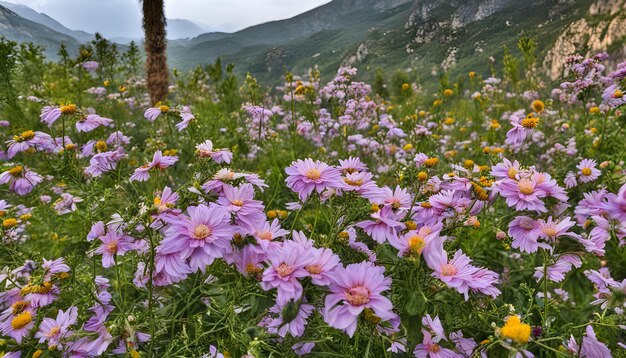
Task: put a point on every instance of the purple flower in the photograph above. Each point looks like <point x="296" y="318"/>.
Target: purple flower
<point x="50" y="114"/>
<point x="152" y="114"/>
<point x="91" y="122"/>
<point x="21" y="180"/>
<point x="457" y="273"/>
<point x="414" y="242"/>
<point x="205" y="149"/>
<point x="113" y="243"/>
<point x="558" y="270"/>
<point x="525" y="232"/>
<point x="355" y="288"/>
<point x="383" y="226"/>
<point x="285" y="269"/>
<point x="202" y="237"/>
<point x="267" y="233"/>
<point x="159" y="161"/>
<point x="293" y="325"/>
<point x="54" y="331"/>
<point x="588" y="171"/>
<point x="306" y="176"/>
<point x="240" y="201"/>
<point x="104" y="162"/>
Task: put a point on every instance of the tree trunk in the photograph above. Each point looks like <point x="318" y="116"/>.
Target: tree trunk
<point x="155" y="44"/>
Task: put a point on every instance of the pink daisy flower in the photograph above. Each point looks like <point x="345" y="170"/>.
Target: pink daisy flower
<point x="159" y="161"/>
<point x="384" y="225"/>
<point x="285" y="269"/>
<point x="54" y="331"/>
<point x="267" y="234"/>
<point x="201" y="237"/>
<point x="307" y="176"/>
<point x="205" y="150"/>
<point x="525" y="232"/>
<point x="113" y="243"/>
<point x="588" y="171"/>
<point x="355" y="288"/>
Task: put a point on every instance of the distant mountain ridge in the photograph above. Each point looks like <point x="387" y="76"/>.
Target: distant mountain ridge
<point x="43" y="19"/>
<point x="19" y="29"/>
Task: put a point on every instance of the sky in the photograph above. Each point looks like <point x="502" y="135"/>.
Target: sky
<point x="122" y="18"/>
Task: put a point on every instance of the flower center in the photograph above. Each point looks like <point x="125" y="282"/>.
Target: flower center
<point x="252" y="269"/>
<point x="416" y="244"/>
<point x="284" y="270"/>
<point x="238" y="203"/>
<point x="16" y="170"/>
<point x="550" y="231"/>
<point x="448" y="270"/>
<point x="512" y="172"/>
<point x="19" y="306"/>
<point x="358" y="295"/>
<point x="201" y="232"/>
<point x="164" y="109"/>
<point x="530" y="122"/>
<point x="54" y="331"/>
<point x="101" y="146"/>
<point x="434" y="347"/>
<point x="525" y="186"/>
<point x="111" y="247"/>
<point x="586" y="171"/>
<point x="618" y="94"/>
<point x="527" y="224"/>
<point x="265" y="235"/>
<point x="68" y="109"/>
<point x="313" y="174"/>
<point x="28" y="135"/>
<point x="21" y="320"/>
<point x="357" y="182"/>
<point x="314" y="269"/>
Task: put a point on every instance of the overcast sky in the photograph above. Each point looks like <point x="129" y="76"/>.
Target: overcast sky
<point x="122" y="18"/>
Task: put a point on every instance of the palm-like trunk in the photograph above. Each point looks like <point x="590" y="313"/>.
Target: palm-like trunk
<point x="155" y="43"/>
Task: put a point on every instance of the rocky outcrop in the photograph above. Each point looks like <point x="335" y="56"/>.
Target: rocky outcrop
<point x="605" y="27"/>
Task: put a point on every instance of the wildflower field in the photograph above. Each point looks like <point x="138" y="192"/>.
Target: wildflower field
<point x="324" y="217"/>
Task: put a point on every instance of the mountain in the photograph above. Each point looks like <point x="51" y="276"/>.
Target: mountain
<point x="181" y="29"/>
<point x="19" y="29"/>
<point x="422" y="36"/>
<point x="43" y="19"/>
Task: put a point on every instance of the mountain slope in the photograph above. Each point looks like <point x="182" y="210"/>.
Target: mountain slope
<point x="43" y="19"/>
<point x="426" y="36"/>
<point x="16" y="28"/>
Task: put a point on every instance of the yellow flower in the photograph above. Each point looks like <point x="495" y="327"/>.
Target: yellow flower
<point x="449" y="121"/>
<point x="68" y="109"/>
<point x="437" y="102"/>
<point x="422" y="113"/>
<point x="106" y="83"/>
<point x="594" y="110"/>
<point x="9" y="223"/>
<point x="21" y="320"/>
<point x="422" y="176"/>
<point x="516" y="330"/>
<point x="468" y="164"/>
<point x="164" y="108"/>
<point x="407" y="147"/>
<point x="538" y="106"/>
<point x="448" y="92"/>
<point x="272" y="214"/>
<point x="406" y="86"/>
<point x="530" y="122"/>
<point x="122" y="88"/>
<point x="431" y="162"/>
<point x="472" y="74"/>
